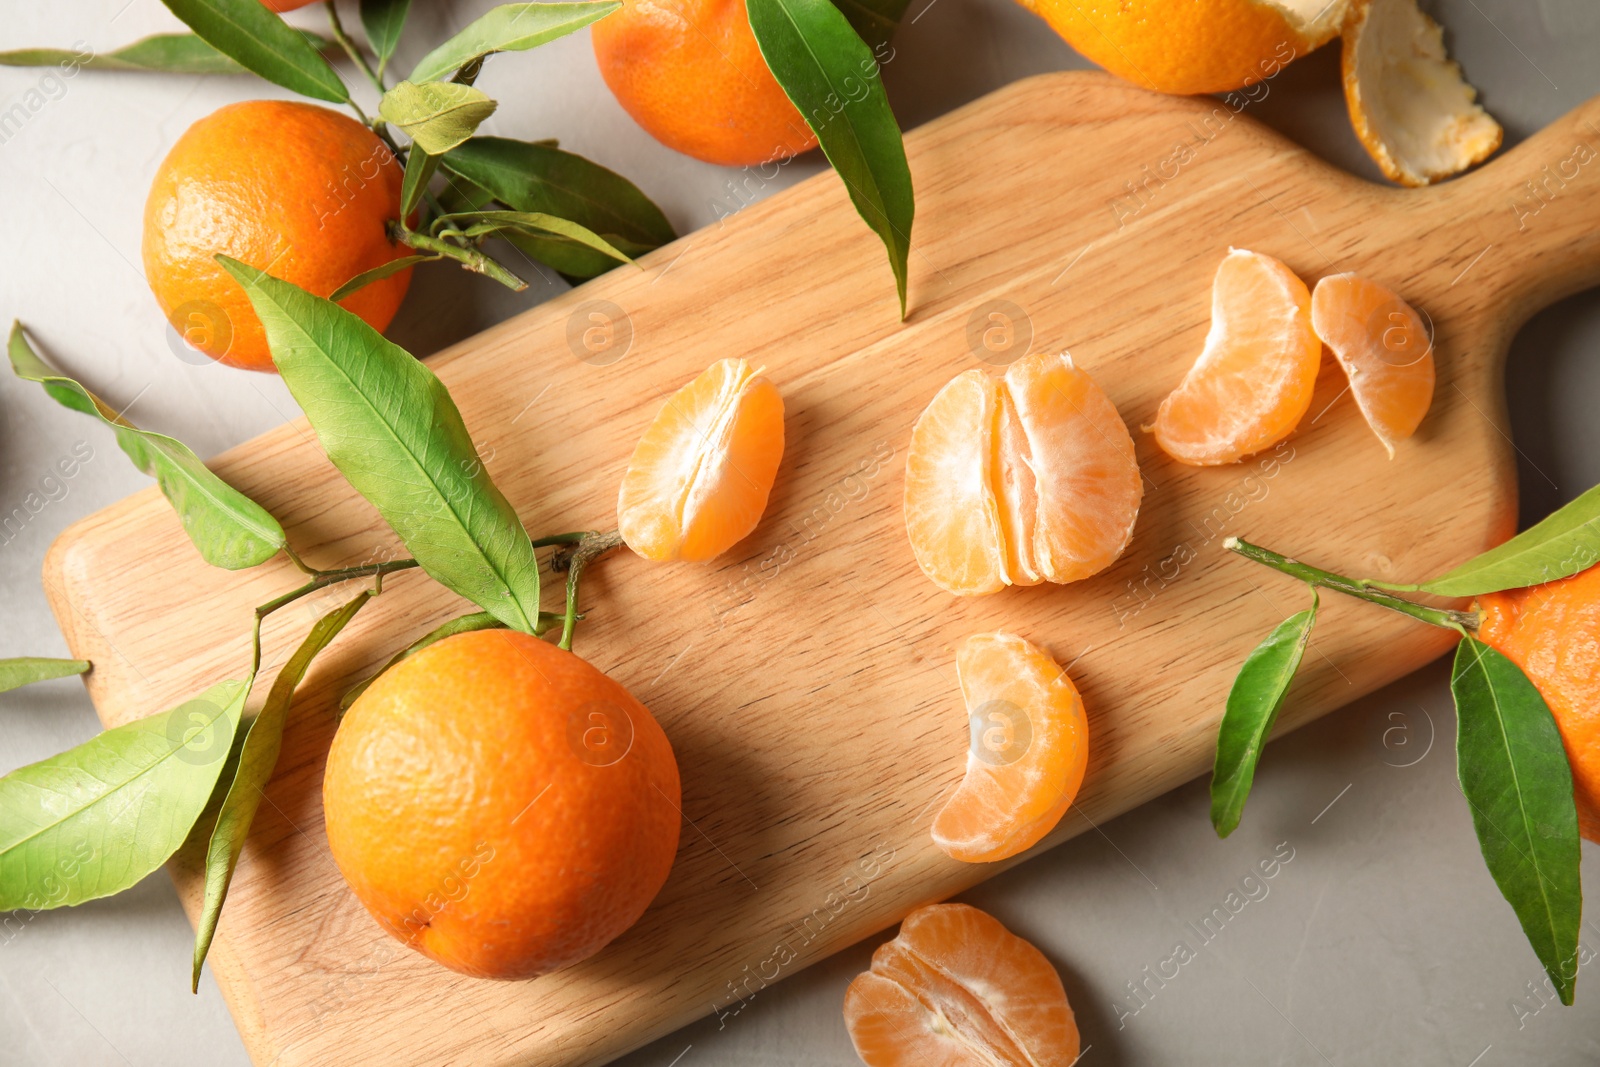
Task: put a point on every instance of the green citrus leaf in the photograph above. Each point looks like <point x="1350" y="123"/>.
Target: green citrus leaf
<point x="229" y="529"/>
<point x="831" y="76"/>
<point x="510" y="28"/>
<point x="262" y="42"/>
<point x="420" y="168"/>
<point x="1253" y="702"/>
<point x="389" y="425"/>
<point x="175" y="53"/>
<point x="874" y="20"/>
<point x="459" y="194"/>
<point x="572" y="260"/>
<point x="478" y="620"/>
<point x="162" y="53"/>
<point x="97" y="818"/>
<point x="25" y="670"/>
<point x="378" y="273"/>
<point x="537" y="224"/>
<point x="1516" y="779"/>
<point x="384" y="21"/>
<point x="257" y="757"/>
<point x="1566" y="542"/>
<point x="436" y="115"/>
<point x="541" y="178"/>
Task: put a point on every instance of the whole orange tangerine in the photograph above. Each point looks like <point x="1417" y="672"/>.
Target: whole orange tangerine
<point x="299" y="191"/>
<point x="692" y="75"/>
<point x="501" y="805"/>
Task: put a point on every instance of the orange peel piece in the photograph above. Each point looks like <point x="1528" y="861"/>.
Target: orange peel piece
<point x="1412" y="109"/>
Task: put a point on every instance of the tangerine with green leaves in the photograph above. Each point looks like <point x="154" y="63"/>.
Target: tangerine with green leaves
<point x="1550" y="632"/>
<point x="692" y="75"/>
<point x="501" y="805"/>
<point x="301" y="192"/>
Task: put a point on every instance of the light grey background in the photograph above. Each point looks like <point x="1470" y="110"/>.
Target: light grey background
<point x="1382" y="941"/>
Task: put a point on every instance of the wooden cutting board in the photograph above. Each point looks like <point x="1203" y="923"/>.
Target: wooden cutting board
<point x="807" y="679"/>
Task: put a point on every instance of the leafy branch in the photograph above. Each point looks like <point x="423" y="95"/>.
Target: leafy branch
<point x="1512" y="768"/>
<point x="136" y="793"/>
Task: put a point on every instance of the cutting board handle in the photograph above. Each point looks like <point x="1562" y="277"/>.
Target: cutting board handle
<point x="1532" y="215"/>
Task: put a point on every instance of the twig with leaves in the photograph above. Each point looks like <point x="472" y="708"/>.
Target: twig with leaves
<point x="1510" y="762"/>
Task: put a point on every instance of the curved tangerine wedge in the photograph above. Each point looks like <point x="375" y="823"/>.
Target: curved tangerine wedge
<point x="1383" y="346"/>
<point x="1020" y="481"/>
<point x="1254" y="378"/>
<point x="1085" y="485"/>
<point x="955" y="988"/>
<point x="699" y="478"/>
<point x="951" y="511"/>
<point x="1030" y="745"/>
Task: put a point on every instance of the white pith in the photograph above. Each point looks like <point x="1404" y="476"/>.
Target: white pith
<point x="1317" y="20"/>
<point x="1415" y="111"/>
<point x="705" y="468"/>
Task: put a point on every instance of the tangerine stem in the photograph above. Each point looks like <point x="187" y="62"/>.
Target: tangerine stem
<point x="560" y="539"/>
<point x="470" y="258"/>
<point x="351" y="50"/>
<point x="300" y="564"/>
<point x="589" y="547"/>
<point x="323" y="579"/>
<point x="1317" y="577"/>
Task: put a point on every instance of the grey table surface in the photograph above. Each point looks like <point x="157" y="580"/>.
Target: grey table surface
<point x="1382" y="940"/>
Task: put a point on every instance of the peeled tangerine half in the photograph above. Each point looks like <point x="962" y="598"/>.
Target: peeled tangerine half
<point x="957" y="989"/>
<point x="1019" y="481"/>
<point x="698" y="482"/>
<point x="1384" y="348"/>
<point x="1030" y="744"/>
<point x="1254" y="378"/>
<point x="1413" y="111"/>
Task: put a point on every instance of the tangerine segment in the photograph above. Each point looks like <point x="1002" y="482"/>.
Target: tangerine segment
<point x="700" y="476"/>
<point x="1384" y="348"/>
<point x="1549" y="631"/>
<point x="951" y="511"/>
<point x="1030" y="745"/>
<point x="1020" y="481"/>
<point x="1254" y="378"/>
<point x="1078" y="474"/>
<point x="955" y="988"/>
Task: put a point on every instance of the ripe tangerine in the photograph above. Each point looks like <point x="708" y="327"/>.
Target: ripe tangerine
<point x="693" y="76"/>
<point x="299" y="191"/>
<point x="500" y="805"/>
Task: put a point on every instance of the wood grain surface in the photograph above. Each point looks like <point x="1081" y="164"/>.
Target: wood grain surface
<point x="806" y="679"/>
